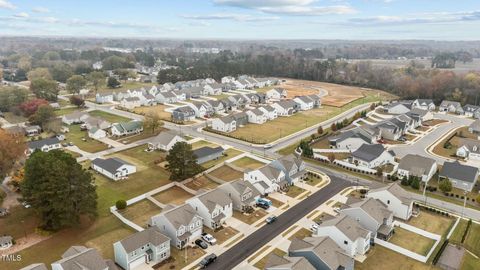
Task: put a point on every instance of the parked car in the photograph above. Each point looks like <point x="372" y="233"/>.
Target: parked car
<point x="207" y="260"/>
<point x="271" y="219"/>
<point x="209" y="238"/>
<point x="263" y="205"/>
<point x="201" y="243"/>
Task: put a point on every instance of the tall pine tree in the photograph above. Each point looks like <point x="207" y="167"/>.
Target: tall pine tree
<point x="58" y="189"/>
<point x="182" y="162"/>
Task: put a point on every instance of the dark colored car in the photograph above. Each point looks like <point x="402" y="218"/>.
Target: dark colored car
<point x="271" y="219"/>
<point x="263" y="205"/>
<point x="201" y="243"/>
<point x="208" y="260"/>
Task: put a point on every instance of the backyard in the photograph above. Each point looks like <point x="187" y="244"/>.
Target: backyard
<point x="112" y="118"/>
<point x="80" y="139"/>
<point x="228" y="154"/>
<point x="452" y="143"/>
<point x="250" y="218"/>
<point x="140" y="212"/>
<point x="174" y="195"/>
<point x="226" y="173"/>
<point x="201" y="182"/>
<point x="157" y="109"/>
<point x="383" y="258"/>
<point x="248" y="163"/>
<point x="412" y="241"/>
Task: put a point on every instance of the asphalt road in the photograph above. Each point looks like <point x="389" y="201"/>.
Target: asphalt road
<point x="243" y="249"/>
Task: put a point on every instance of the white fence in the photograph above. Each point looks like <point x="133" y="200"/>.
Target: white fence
<point x="355" y="167"/>
<point x="318" y="150"/>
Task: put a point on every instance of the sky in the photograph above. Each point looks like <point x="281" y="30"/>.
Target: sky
<point x="244" y="19"/>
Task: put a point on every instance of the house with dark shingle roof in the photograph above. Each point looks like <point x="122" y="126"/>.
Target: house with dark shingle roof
<point x="165" y="140"/>
<point x="214" y="206"/>
<point x="321" y="252"/>
<point x="462" y="176"/>
<point x="305" y="103"/>
<point x="469" y="149"/>
<point x="285" y="107"/>
<point x="352" y="139"/>
<point x="242" y="193"/>
<point x="182" y="224"/>
<point x="292" y="166"/>
<point x="182" y="114"/>
<point x="149" y="246"/>
<point x="80" y="257"/>
<point x="451" y="106"/>
<point x="205" y="154"/>
<point x="224" y="124"/>
<point x="113" y="168"/>
<point x="372" y="156"/>
<point x="471" y="110"/>
<point x="475" y="127"/>
<point x="395" y="198"/>
<point x="419" y="166"/>
<point x="44" y="145"/>
<point x="266" y="179"/>
<point x="426" y="104"/>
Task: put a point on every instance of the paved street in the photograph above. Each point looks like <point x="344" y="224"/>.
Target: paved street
<point x="253" y="242"/>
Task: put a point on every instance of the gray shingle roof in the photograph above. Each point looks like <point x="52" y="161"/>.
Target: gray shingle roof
<point x="111" y="165"/>
<point x="396" y="191"/>
<point x="213" y="198"/>
<point x="455" y="170"/>
<point x="181" y="215"/>
<point x="151" y="235"/>
<point x="348" y="226"/>
<point x="164" y="138"/>
<point x="282" y="263"/>
<point x="368" y="152"/>
<point x="206" y="151"/>
<point x="416" y="165"/>
<point x="40" y="143"/>
<point x="475" y="126"/>
<point x="87" y="259"/>
<point x="374" y="208"/>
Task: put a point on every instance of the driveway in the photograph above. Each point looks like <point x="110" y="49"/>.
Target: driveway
<point x="420" y="147"/>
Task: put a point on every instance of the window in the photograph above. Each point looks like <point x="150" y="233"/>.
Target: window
<point x="345" y="242"/>
<point x="388" y="201"/>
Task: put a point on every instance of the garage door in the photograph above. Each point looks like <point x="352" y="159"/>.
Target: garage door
<point x="137" y="262"/>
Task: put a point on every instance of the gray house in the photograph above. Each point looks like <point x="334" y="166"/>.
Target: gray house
<point x="147" y="246"/>
<point x="321" y="252"/>
<point x="183" y="114"/>
<point x="462" y="176"/>
<point x="205" y="154"/>
<point x="242" y="193"/>
<point x="451" y="106"/>
<point x="475" y="127"/>
<point x="80" y="257"/>
<point x="241" y="118"/>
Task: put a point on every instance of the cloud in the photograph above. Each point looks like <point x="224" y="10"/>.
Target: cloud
<point x="40" y="10"/>
<point x="230" y="16"/>
<point x="263" y="3"/>
<point x="424" y="18"/>
<point x="22" y="15"/>
<point x="6" y="5"/>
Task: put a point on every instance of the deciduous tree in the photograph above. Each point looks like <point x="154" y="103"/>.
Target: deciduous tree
<point x="59" y="189"/>
<point x="445" y="185"/>
<point x="30" y="107"/>
<point x="153" y="121"/>
<point x="44" y="115"/>
<point x="112" y="82"/>
<point x="44" y="88"/>
<point x="97" y="79"/>
<point x="11" y="150"/>
<point x="76" y="83"/>
<point x="77" y="101"/>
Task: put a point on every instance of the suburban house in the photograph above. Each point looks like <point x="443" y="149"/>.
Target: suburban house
<point x="372" y="215"/>
<point x="421" y="114"/>
<point x="395" y="198"/>
<point x="165" y="141"/>
<point x="224" y="124"/>
<point x="389" y="131"/>
<point x="426" y="104"/>
<point x="166" y="97"/>
<point x="347" y="233"/>
<point x="126" y="128"/>
<point x="469" y="149"/>
<point x="216" y="105"/>
<point x="471" y="110"/>
<point x="451" y="106"/>
<point x="148" y="246"/>
<point x="276" y="93"/>
<point x="242" y="193"/>
<point x="285" y="107"/>
<point x="96" y="133"/>
<point x="292" y="166"/>
<point x="269" y="111"/>
<point x="91" y="122"/>
<point x="354" y="138"/>
<point x="183" y="114"/>
<point x="181" y="96"/>
<point x="104" y="98"/>
<point x="181" y="224"/>
<point x="131" y="103"/>
<point x="372" y="156"/>
<point x="398" y="108"/>
<point x="148" y="100"/>
<point x="33" y="130"/>
<point x="6" y="242"/>
<point x="462" y="176"/>
<point x="205" y="154"/>
<point x="214" y="206"/>
<point x="256" y="116"/>
<point x="76" y="117"/>
<point x="201" y="109"/>
<point x="418" y="166"/>
<point x="44" y="145"/>
<point x="475" y="127"/>
<point x="80" y="257"/>
<point x="228" y="105"/>
<point x="321" y="252"/>
<point x="304" y="103"/>
<point x="113" y="168"/>
<point x="266" y="179"/>
<point x="276" y="262"/>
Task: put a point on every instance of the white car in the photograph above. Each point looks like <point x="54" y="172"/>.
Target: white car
<point x="314" y="227"/>
<point x="209" y="238"/>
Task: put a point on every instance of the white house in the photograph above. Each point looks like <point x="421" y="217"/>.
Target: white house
<point x="469" y="149"/>
<point x="131" y="103"/>
<point x="285" y="107"/>
<point x="426" y="104"/>
<point x="352" y="139"/>
<point x="451" y="106"/>
<point x="398" y="108"/>
<point x="269" y="111"/>
<point x="372" y="215"/>
<point x="165" y="140"/>
<point x="347" y="233"/>
<point x="305" y="102"/>
<point x="181" y="224"/>
<point x="214" y="206"/>
<point x="372" y="156"/>
<point x="76" y="117"/>
<point x="414" y="165"/>
<point x="96" y="133"/>
<point x="113" y="168"/>
<point x="224" y="124"/>
<point x="149" y="246"/>
<point x="91" y="122"/>
<point x="44" y="145"/>
<point x="166" y="97"/>
<point x="104" y="98"/>
<point x="126" y="128"/>
<point x="256" y="116"/>
<point x="266" y="179"/>
<point x="276" y="93"/>
<point x="395" y="198"/>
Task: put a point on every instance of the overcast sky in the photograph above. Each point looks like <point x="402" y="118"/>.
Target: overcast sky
<point x="245" y="19"/>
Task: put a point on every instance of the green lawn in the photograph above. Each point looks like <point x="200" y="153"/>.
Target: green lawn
<point x="76" y="136"/>
<point x="457" y="234"/>
<point x="472" y="242"/>
<point x="202" y="143"/>
<point x="112" y="118"/>
<point x="140" y="212"/>
<point x="141" y="136"/>
<point x="433" y="223"/>
<point x="470" y="262"/>
<point x="294" y="191"/>
<point x="248" y="163"/>
<point x="64" y="111"/>
<point x="412" y="241"/>
<point x="386" y="259"/>
<point x="125" y="86"/>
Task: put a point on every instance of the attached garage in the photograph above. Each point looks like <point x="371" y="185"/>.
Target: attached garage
<point x="140" y="260"/>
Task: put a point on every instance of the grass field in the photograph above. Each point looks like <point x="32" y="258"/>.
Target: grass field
<point x="112" y="118"/>
<point x="202" y="143"/>
<point x="248" y="163"/>
<point x="201" y="182"/>
<point x="472" y="242"/>
<point x="178" y="260"/>
<point x="432" y="222"/>
<point x="175" y="195"/>
<point x="157" y="109"/>
<point x="125" y="86"/>
<point x="300" y="234"/>
<point x="294" y="191"/>
<point x="226" y="173"/>
<point x="64" y="111"/>
<point x="250" y="218"/>
<point x="147" y="133"/>
<point x="19" y="222"/>
<point x="470" y="262"/>
<point x="382" y="258"/>
<point x="261" y="263"/>
<point x="140" y="212"/>
<point x="77" y="136"/>
<point x="228" y="154"/>
<point x="412" y="241"/>
<point x="457" y="234"/>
